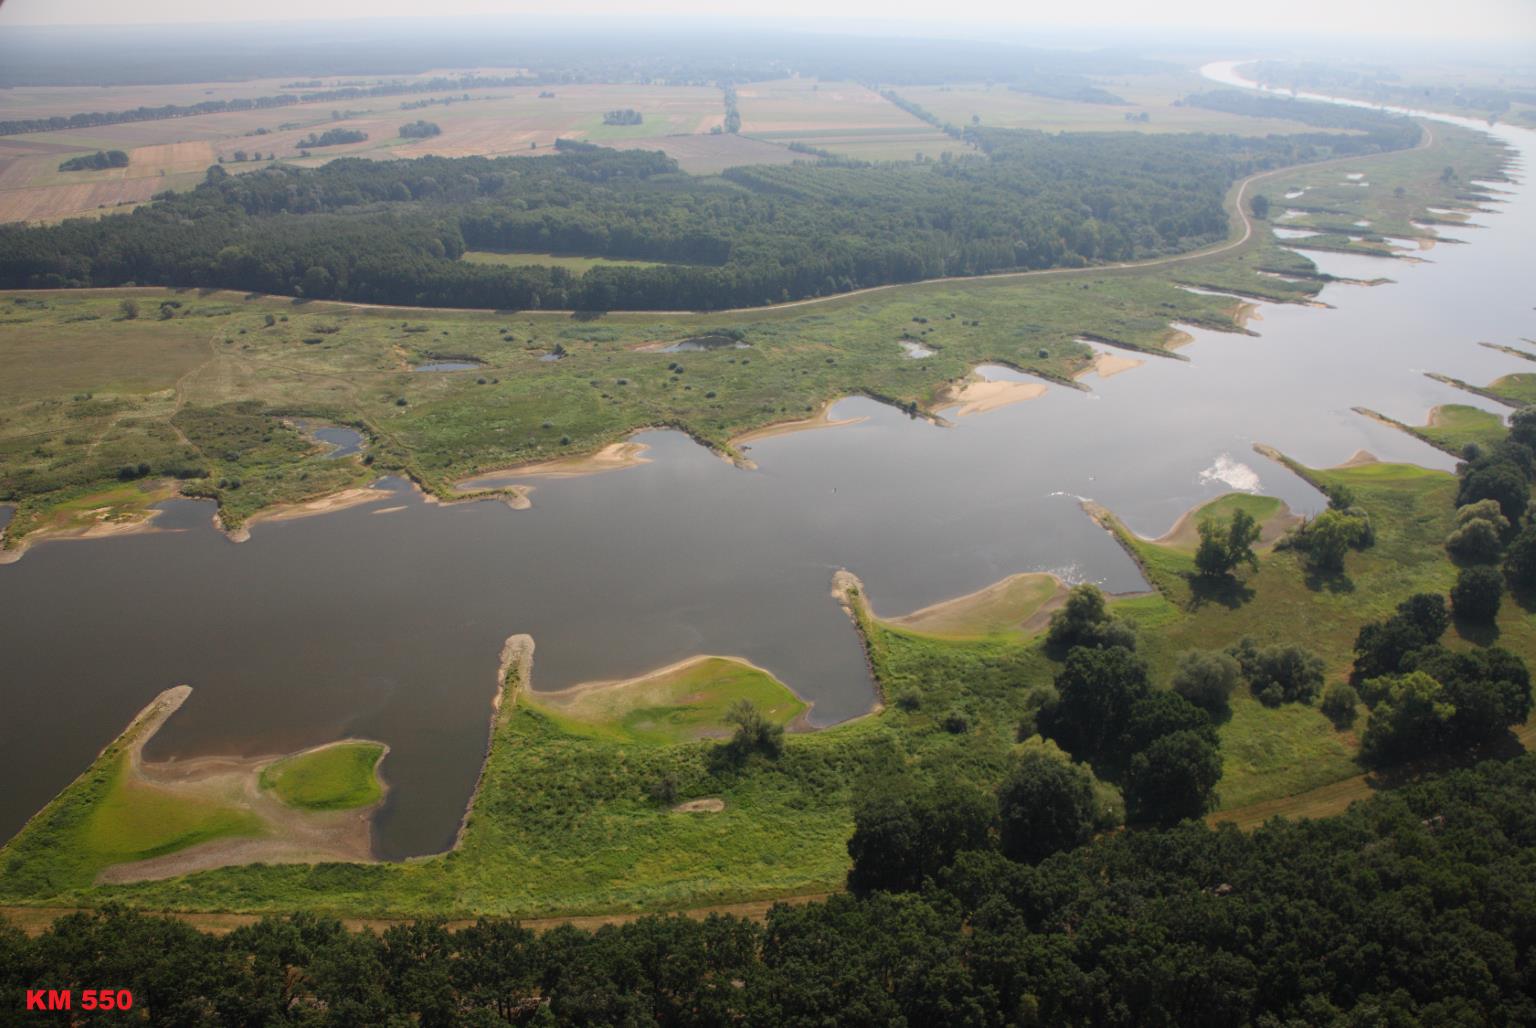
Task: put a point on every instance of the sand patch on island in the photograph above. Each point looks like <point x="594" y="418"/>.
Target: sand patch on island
<point x="707" y="805"/>
<point x="1360" y="457"/>
<point x="1107" y="365"/>
<point x="821" y="419"/>
<point x="976" y="395"/>
<point x="290" y="835"/>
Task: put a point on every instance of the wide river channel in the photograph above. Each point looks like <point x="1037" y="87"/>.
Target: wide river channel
<point x="385" y="621"/>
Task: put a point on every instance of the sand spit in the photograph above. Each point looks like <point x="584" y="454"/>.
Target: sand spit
<point x="1019" y="603"/>
<point x="99" y="530"/>
<point x="1107" y="365"/>
<point x="343" y="500"/>
<point x="565" y="698"/>
<point x="612" y="457"/>
<point x="291" y="836"/>
<point x="516" y="663"/>
<point x="821" y="419"/>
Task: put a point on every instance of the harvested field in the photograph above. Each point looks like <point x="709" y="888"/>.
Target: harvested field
<point x="843" y="117"/>
<point x="709" y="155"/>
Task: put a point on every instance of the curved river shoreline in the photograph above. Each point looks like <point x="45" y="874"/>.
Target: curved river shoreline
<point x="385" y="620"/>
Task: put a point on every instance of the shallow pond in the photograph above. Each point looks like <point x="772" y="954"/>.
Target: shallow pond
<point x="447" y="366"/>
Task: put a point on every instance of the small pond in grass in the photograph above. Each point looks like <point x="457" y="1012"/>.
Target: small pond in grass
<point x="700" y="344"/>
<point x="385" y="621"/>
<point x="448" y="366"/>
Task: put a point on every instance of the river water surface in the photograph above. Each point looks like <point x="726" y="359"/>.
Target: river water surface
<point x="385" y="621"/>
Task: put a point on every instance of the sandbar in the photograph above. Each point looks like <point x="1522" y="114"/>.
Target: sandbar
<point x="977" y="395"/>
<point x="821" y="419"/>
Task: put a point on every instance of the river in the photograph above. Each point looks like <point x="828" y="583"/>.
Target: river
<point x="385" y="621"/>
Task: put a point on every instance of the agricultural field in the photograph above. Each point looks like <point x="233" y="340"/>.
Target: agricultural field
<point x="174" y="153"/>
<point x="1156" y="96"/>
<point x="843" y="118"/>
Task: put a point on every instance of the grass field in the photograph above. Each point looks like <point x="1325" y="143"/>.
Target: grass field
<point x="1453" y="425"/>
<point x="1519" y="388"/>
<point x="102" y="819"/>
<point x="341" y="776"/>
<point x="1002" y="609"/>
<point x="678" y="704"/>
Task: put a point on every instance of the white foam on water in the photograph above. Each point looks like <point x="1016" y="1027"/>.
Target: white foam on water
<point x="1231" y="473"/>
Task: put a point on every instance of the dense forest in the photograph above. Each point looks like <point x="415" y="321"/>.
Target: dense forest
<point x="1414" y="908"/>
<point x="391" y="231"/>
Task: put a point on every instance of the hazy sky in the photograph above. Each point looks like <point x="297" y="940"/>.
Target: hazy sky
<point x="1462" y="19"/>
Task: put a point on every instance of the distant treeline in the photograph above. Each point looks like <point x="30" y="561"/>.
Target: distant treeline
<point x="623" y="116"/>
<point x="1411" y="908"/>
<point x="1064" y="87"/>
<point x="1385" y="87"/>
<point x="390" y="231"/>
<point x="59" y="123"/>
<point x="1380" y="131"/>
<point x="97" y="161"/>
<point x="922" y="113"/>
<point x="332" y="137"/>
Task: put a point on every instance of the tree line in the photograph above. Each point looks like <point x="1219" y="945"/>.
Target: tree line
<point x="58" y="122"/>
<point x="391" y="231"/>
<point x="1411" y="908"/>
<point x="98" y="161"/>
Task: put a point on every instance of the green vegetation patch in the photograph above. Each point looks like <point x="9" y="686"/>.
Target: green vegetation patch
<point x="342" y="776"/>
<point x="103" y="818"/>
<point x="1519" y="388"/>
<point x="1453" y="425"/>
<point x="677" y="705"/>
